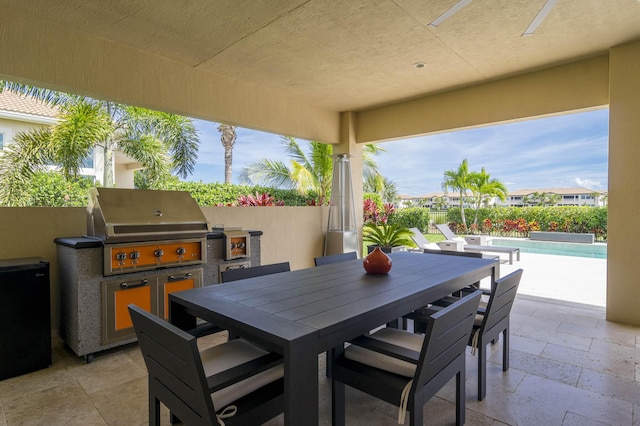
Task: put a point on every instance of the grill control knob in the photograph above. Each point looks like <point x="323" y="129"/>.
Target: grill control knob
<point x="134" y="255"/>
<point x="158" y="253"/>
<point x="121" y="256"/>
<point x="181" y="251"/>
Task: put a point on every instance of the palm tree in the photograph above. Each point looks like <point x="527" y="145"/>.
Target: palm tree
<point x="159" y="141"/>
<point x="482" y="186"/>
<point x="308" y="172"/>
<point x="228" y="138"/>
<point x="458" y="180"/>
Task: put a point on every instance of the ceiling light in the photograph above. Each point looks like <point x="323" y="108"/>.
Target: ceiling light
<point x="419" y="65"/>
<point x="539" y="17"/>
<point x="440" y="19"/>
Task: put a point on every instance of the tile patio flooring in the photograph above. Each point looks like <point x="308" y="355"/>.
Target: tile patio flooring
<point x="568" y="367"/>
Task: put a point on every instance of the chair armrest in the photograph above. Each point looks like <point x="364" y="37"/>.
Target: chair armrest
<point x="243" y="371"/>
<point x="388" y="349"/>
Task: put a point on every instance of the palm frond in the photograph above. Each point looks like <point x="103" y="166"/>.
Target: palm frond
<point x="269" y="173"/>
<point x="150" y="153"/>
<point x="30" y="152"/>
<point x="50" y="97"/>
<point x="82" y="125"/>
<point x="177" y="133"/>
<point x="293" y="150"/>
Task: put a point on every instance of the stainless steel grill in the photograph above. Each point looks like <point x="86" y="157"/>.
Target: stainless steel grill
<point x="145" y="230"/>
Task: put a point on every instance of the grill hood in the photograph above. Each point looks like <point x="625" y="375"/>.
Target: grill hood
<point x="126" y="215"/>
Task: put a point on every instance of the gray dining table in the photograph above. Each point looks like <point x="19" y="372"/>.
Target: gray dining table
<point x="308" y="311"/>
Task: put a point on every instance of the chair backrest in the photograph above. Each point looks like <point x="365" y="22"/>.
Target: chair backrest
<point x="418" y="238"/>
<point x="446" y="337"/>
<point x="503" y="293"/>
<point x="335" y="258"/>
<point x="256" y="271"/>
<point x="176" y="375"/>
<point x="446" y="231"/>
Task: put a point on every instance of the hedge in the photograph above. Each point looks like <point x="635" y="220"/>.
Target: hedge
<point x="411" y="217"/>
<point x="519" y="221"/>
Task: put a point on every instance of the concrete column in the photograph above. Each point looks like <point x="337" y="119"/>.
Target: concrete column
<point x="623" y="269"/>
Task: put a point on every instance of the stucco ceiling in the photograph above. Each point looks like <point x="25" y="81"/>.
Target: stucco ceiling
<point x="351" y="55"/>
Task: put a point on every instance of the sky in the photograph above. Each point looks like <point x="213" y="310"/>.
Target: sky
<point x="557" y="152"/>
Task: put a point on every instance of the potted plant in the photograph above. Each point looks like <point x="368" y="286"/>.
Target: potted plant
<point x="389" y="237"/>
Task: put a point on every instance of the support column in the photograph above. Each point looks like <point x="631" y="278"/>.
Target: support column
<point x="623" y="269"/>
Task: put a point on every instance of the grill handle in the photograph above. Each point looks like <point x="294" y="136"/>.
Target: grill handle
<point x="126" y="285"/>
<point x="182" y="278"/>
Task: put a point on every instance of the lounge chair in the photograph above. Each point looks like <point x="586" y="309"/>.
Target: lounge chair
<point x="421" y="241"/>
<point x="449" y="235"/>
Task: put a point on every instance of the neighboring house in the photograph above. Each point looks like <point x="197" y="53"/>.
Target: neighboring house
<point x="518" y="198"/>
<point x="436" y="200"/>
<point x="20" y="113"/>
<point x="565" y="197"/>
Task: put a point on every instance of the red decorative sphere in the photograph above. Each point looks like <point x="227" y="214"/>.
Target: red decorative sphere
<point x="377" y="262"/>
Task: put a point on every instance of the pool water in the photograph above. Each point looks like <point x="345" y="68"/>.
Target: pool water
<point x="596" y="250"/>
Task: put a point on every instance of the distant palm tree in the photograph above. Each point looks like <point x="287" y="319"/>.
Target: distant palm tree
<point x="159" y="141"/>
<point x="483" y="186"/>
<point x="387" y="191"/>
<point x="308" y="172"/>
<point x="228" y="138"/>
<point x="458" y="180"/>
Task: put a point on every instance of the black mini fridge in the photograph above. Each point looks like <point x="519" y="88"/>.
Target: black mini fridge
<point x="25" y="316"/>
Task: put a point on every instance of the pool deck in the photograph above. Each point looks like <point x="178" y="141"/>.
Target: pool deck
<point x="574" y="279"/>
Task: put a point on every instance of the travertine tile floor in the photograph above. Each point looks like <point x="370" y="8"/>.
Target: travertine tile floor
<point x="568" y="367"/>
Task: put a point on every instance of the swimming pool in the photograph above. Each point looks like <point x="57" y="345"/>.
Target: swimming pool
<point x="596" y="250"/>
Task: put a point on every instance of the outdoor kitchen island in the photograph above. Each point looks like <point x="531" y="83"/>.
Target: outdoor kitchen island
<point x="142" y="246"/>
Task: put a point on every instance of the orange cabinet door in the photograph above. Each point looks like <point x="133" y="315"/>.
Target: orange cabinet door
<point x="183" y="280"/>
<point x="116" y="296"/>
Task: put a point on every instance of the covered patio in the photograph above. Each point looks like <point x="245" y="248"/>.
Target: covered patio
<point x="351" y="73"/>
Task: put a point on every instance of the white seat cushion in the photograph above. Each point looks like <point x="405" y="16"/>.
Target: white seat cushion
<point x="231" y="354"/>
<point x="478" y="320"/>
<point x="431" y="246"/>
<point x="384" y="362"/>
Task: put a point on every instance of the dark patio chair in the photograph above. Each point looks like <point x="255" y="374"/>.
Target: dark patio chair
<point x="255" y="271"/>
<point x="235" y="381"/>
<point x="445" y="301"/>
<point x="407" y="369"/>
<point x="335" y="258"/>
<point x="491" y="322"/>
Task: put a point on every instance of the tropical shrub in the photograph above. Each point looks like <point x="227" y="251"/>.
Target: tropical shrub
<point x="374" y="212"/>
<point x="386" y="235"/>
<point x="51" y="189"/>
<point x="412" y="217"/>
<point x="263" y="199"/>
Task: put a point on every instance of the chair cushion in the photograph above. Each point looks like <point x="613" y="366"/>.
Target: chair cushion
<point x="478" y="320"/>
<point x="431" y="246"/>
<point x="231" y="354"/>
<point x="384" y="362"/>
